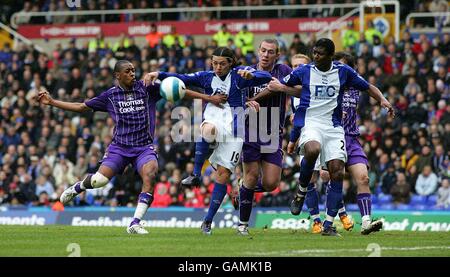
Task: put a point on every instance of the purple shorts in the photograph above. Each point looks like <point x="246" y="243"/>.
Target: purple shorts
<point x="355" y="152"/>
<point x="118" y="157"/>
<point x="251" y="152"/>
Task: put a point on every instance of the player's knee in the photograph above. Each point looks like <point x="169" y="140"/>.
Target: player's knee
<point x="337" y="175"/>
<point x="312" y="150"/>
<point x="363" y="181"/>
<point x="209" y="132"/>
<point x="98" y="180"/>
<point x="251" y="177"/>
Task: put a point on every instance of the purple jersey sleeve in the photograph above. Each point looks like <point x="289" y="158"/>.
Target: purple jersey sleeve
<point x="98" y="103"/>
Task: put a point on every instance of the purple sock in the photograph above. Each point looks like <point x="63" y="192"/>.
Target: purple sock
<point x="364" y="203"/>
<point x="78" y="189"/>
<point x="259" y="186"/>
<point x="245" y="204"/>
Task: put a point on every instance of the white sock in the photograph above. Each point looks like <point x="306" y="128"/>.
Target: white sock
<point x="365" y="221"/>
<point x="315" y="216"/>
<point x="141" y="209"/>
<point x="341" y="210"/>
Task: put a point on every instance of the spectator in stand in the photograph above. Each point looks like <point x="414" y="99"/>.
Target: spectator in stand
<point x="444" y="194"/>
<point x="427" y="182"/>
<point x="401" y="191"/>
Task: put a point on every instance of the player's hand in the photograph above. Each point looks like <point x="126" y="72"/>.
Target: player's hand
<point x="385" y="104"/>
<point x="218" y="99"/>
<point x="291" y="147"/>
<point x="246" y="74"/>
<point x="150" y="78"/>
<point x="275" y="85"/>
<point x="253" y="104"/>
<point x="44" y="97"/>
<point x="291" y="118"/>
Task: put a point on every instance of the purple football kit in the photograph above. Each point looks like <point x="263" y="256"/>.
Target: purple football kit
<point x="252" y="150"/>
<point x="355" y="152"/>
<point x="134" y="113"/>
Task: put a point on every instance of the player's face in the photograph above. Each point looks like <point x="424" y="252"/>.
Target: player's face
<point x="267" y="55"/>
<point x="127" y="75"/>
<point x="321" y="57"/>
<point x="296" y="62"/>
<point x="221" y="65"/>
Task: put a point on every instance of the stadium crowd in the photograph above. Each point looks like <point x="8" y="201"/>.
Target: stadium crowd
<point x="44" y="150"/>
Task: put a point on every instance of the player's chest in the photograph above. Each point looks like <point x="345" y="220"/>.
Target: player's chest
<point x="324" y="86"/>
<point x="130" y="103"/>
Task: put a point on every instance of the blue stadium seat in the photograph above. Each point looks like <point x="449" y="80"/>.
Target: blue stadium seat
<point x="384" y="198"/>
<point x="352" y="207"/>
<point x="375" y="206"/>
<point x="374" y="199"/>
<point x="420" y="207"/>
<point x="418" y="200"/>
<point x="388" y="206"/>
<point x="403" y="207"/>
<point x="323" y="198"/>
<point x="432" y="200"/>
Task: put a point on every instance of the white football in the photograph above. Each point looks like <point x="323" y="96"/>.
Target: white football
<point x="172" y="89"/>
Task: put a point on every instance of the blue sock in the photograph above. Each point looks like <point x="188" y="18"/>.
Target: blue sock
<point x="245" y="204"/>
<point x="341" y="206"/>
<point x="201" y="152"/>
<point x="219" y="192"/>
<point x="259" y="186"/>
<point x="312" y="200"/>
<point x="306" y="172"/>
<point x="334" y="199"/>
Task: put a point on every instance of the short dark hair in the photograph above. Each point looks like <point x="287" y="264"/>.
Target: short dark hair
<point x="225" y="52"/>
<point x="347" y="57"/>
<point x="271" y="41"/>
<point x="327" y="44"/>
<point x="119" y="65"/>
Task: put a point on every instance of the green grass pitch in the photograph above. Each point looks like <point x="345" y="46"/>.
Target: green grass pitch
<point x="56" y="240"/>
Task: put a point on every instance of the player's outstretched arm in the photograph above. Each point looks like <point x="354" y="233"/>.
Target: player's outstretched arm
<point x="377" y="95"/>
<point x="217" y="99"/>
<point x="44" y="98"/>
<point x="276" y="85"/>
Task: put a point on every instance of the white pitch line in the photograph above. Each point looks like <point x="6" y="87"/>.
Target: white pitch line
<point x="330" y="251"/>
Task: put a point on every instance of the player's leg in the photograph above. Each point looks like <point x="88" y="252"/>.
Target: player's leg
<point x="246" y="193"/>
<point x="272" y="164"/>
<point x="224" y="158"/>
<point x="335" y="156"/>
<point x="360" y="175"/>
<point x="334" y="196"/>
<point x="311" y="149"/>
<point x="208" y="135"/>
<point x="92" y="181"/>
<point x="147" y="165"/>
<point x="113" y="162"/>
<point x="220" y="190"/>
<point x="312" y="203"/>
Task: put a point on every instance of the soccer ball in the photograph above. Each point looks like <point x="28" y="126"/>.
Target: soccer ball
<point x="172" y="89"/>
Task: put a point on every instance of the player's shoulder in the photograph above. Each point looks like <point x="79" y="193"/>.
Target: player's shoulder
<point x="112" y="90"/>
<point x="342" y="66"/>
<point x="301" y="69"/>
<point x="281" y="67"/>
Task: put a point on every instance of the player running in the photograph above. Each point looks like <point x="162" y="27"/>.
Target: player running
<point x="357" y="162"/>
<point x="318" y="121"/>
<point x="131" y="104"/>
<point x="263" y="154"/>
<point x="221" y="125"/>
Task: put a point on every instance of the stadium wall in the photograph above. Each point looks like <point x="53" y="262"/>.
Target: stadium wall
<point x="266" y="218"/>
